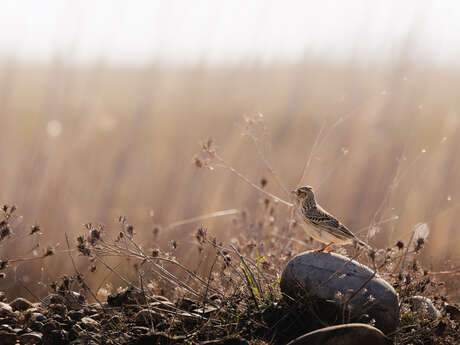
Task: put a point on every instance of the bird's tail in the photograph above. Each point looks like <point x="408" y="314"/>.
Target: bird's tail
<point x="364" y="244"/>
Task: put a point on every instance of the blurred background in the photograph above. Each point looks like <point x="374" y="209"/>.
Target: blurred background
<point x="103" y="105"/>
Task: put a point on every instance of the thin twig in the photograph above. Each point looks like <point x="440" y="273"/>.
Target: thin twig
<point x="84" y="285"/>
<point x="245" y="179"/>
<point x="203" y="217"/>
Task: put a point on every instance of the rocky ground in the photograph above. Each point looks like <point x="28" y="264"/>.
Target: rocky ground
<point x="130" y="317"/>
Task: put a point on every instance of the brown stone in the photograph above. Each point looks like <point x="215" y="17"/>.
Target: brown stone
<point x="348" y="334"/>
<point x="21" y="304"/>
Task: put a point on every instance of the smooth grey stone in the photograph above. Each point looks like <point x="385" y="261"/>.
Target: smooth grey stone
<point x="90" y="324"/>
<point x="330" y="279"/>
<point x="348" y="334"/>
<point x="424" y="305"/>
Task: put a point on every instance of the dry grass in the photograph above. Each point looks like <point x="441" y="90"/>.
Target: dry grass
<point x="380" y="140"/>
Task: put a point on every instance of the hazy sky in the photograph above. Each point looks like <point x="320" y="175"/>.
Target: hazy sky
<point x="179" y="31"/>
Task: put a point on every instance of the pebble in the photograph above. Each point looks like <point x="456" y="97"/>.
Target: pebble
<point x="90" y="324"/>
<point x="5" y="310"/>
<point x="59" y="309"/>
<point x="76" y="315"/>
<point x="7" y="338"/>
<point x="424" y="305"/>
<point x="21" y="304"/>
<point x="30" y="338"/>
<point x="348" y="334"/>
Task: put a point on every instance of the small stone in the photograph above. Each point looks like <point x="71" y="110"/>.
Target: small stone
<point x="207" y="310"/>
<point x="30" y="338"/>
<point x="5" y="310"/>
<point x="6" y="328"/>
<point x="54" y="299"/>
<point x="89" y="311"/>
<point x="76" y="315"/>
<point x="147" y="317"/>
<point x="96" y="316"/>
<point x="348" y="334"/>
<point x="97" y="306"/>
<point x="35" y="310"/>
<point x="51" y="325"/>
<point x="454" y="312"/>
<point x="7" y="338"/>
<point x="424" y="305"/>
<point x="128" y="296"/>
<point x="90" y="324"/>
<point x="36" y="326"/>
<point x="74" y="332"/>
<point x="59" y="309"/>
<point x="21" y="304"/>
<point x="38" y="317"/>
<point x="9" y="320"/>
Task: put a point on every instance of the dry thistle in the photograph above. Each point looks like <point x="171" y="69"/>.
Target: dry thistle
<point x="130" y="230"/>
<point x="419" y="244"/>
<point x="263" y="182"/>
<point x="48" y="252"/>
<point x="198" y="162"/>
<point x="5" y="230"/>
<point x="35" y="229"/>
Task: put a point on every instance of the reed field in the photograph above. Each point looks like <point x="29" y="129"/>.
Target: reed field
<point x="379" y="141"/>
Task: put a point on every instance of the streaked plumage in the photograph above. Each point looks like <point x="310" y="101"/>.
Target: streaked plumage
<point x="318" y="223"/>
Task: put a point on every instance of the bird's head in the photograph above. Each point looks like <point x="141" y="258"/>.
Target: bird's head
<point x="302" y="193"/>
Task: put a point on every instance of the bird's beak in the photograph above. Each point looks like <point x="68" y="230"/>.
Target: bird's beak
<point x="293" y="192"/>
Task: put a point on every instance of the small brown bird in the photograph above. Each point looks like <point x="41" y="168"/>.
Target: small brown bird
<point x="318" y="223"/>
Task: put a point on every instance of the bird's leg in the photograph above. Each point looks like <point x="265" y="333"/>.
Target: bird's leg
<point x="323" y="250"/>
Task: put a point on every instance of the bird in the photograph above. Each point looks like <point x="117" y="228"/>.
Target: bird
<point x="320" y="224"/>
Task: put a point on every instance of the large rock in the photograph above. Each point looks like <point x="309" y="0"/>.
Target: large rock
<point x="349" y="334"/>
<point x="328" y="283"/>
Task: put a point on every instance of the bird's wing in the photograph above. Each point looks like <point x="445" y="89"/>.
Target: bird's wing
<point x="322" y="218"/>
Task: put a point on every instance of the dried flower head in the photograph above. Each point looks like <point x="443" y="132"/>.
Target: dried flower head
<point x="263" y="182"/>
<point x="35" y="229"/>
<point x="198" y="162"/>
<point x="5" y="230"/>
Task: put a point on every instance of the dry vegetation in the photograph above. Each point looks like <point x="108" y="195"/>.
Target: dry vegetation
<point x="379" y="142"/>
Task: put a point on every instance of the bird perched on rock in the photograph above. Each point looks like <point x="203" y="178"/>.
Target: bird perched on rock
<point x="319" y="224"/>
